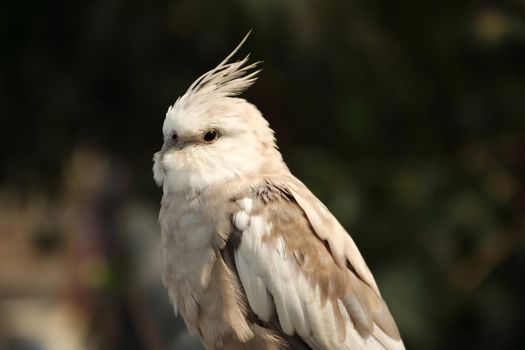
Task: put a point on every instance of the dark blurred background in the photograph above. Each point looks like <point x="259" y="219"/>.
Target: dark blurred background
<point x="405" y="117"/>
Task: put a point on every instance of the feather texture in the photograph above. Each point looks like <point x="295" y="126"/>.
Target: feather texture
<point x="227" y="79"/>
<point x="252" y="259"/>
<point x="329" y="307"/>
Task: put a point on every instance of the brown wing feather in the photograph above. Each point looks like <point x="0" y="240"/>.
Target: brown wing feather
<point x="315" y="260"/>
<point x="315" y="254"/>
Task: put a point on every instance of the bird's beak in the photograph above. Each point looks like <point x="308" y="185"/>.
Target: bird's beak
<point x="177" y="145"/>
<point x="180" y="145"/>
<point x="164" y="148"/>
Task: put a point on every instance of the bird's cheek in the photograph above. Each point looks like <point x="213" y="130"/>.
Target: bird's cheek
<point x="177" y="160"/>
<point x="169" y="159"/>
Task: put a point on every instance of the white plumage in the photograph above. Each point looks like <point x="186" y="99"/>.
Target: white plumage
<point x="253" y="260"/>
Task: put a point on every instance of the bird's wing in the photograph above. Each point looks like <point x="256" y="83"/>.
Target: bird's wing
<point x="301" y="270"/>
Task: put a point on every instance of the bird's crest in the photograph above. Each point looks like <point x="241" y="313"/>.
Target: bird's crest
<point x="228" y="79"/>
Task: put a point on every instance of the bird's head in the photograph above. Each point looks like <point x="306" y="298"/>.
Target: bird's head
<point x="211" y="136"/>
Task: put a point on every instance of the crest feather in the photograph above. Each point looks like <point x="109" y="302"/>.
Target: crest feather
<point x="228" y="79"/>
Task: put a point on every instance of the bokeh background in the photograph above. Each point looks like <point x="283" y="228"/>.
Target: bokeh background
<point x="405" y="117"/>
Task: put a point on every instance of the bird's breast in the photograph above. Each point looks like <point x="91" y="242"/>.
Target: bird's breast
<point x="187" y="253"/>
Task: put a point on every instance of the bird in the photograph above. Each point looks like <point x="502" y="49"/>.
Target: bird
<point x="251" y="258"/>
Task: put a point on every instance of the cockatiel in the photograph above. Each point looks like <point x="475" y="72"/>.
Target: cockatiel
<point x="252" y="259"/>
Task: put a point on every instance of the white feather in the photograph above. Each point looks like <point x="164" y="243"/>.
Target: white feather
<point x="241" y="219"/>
<point x="246" y="204"/>
<point x="266" y="273"/>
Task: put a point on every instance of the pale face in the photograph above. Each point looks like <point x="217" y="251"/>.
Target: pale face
<point x="208" y="146"/>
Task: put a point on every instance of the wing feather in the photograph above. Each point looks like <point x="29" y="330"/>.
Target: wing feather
<point x="312" y="280"/>
<point x="258" y="297"/>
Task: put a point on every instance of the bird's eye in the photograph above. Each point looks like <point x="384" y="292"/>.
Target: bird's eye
<point x="174" y="136"/>
<point x="210" y="135"/>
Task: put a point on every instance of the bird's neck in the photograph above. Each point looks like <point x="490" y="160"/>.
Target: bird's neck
<point x="189" y="185"/>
